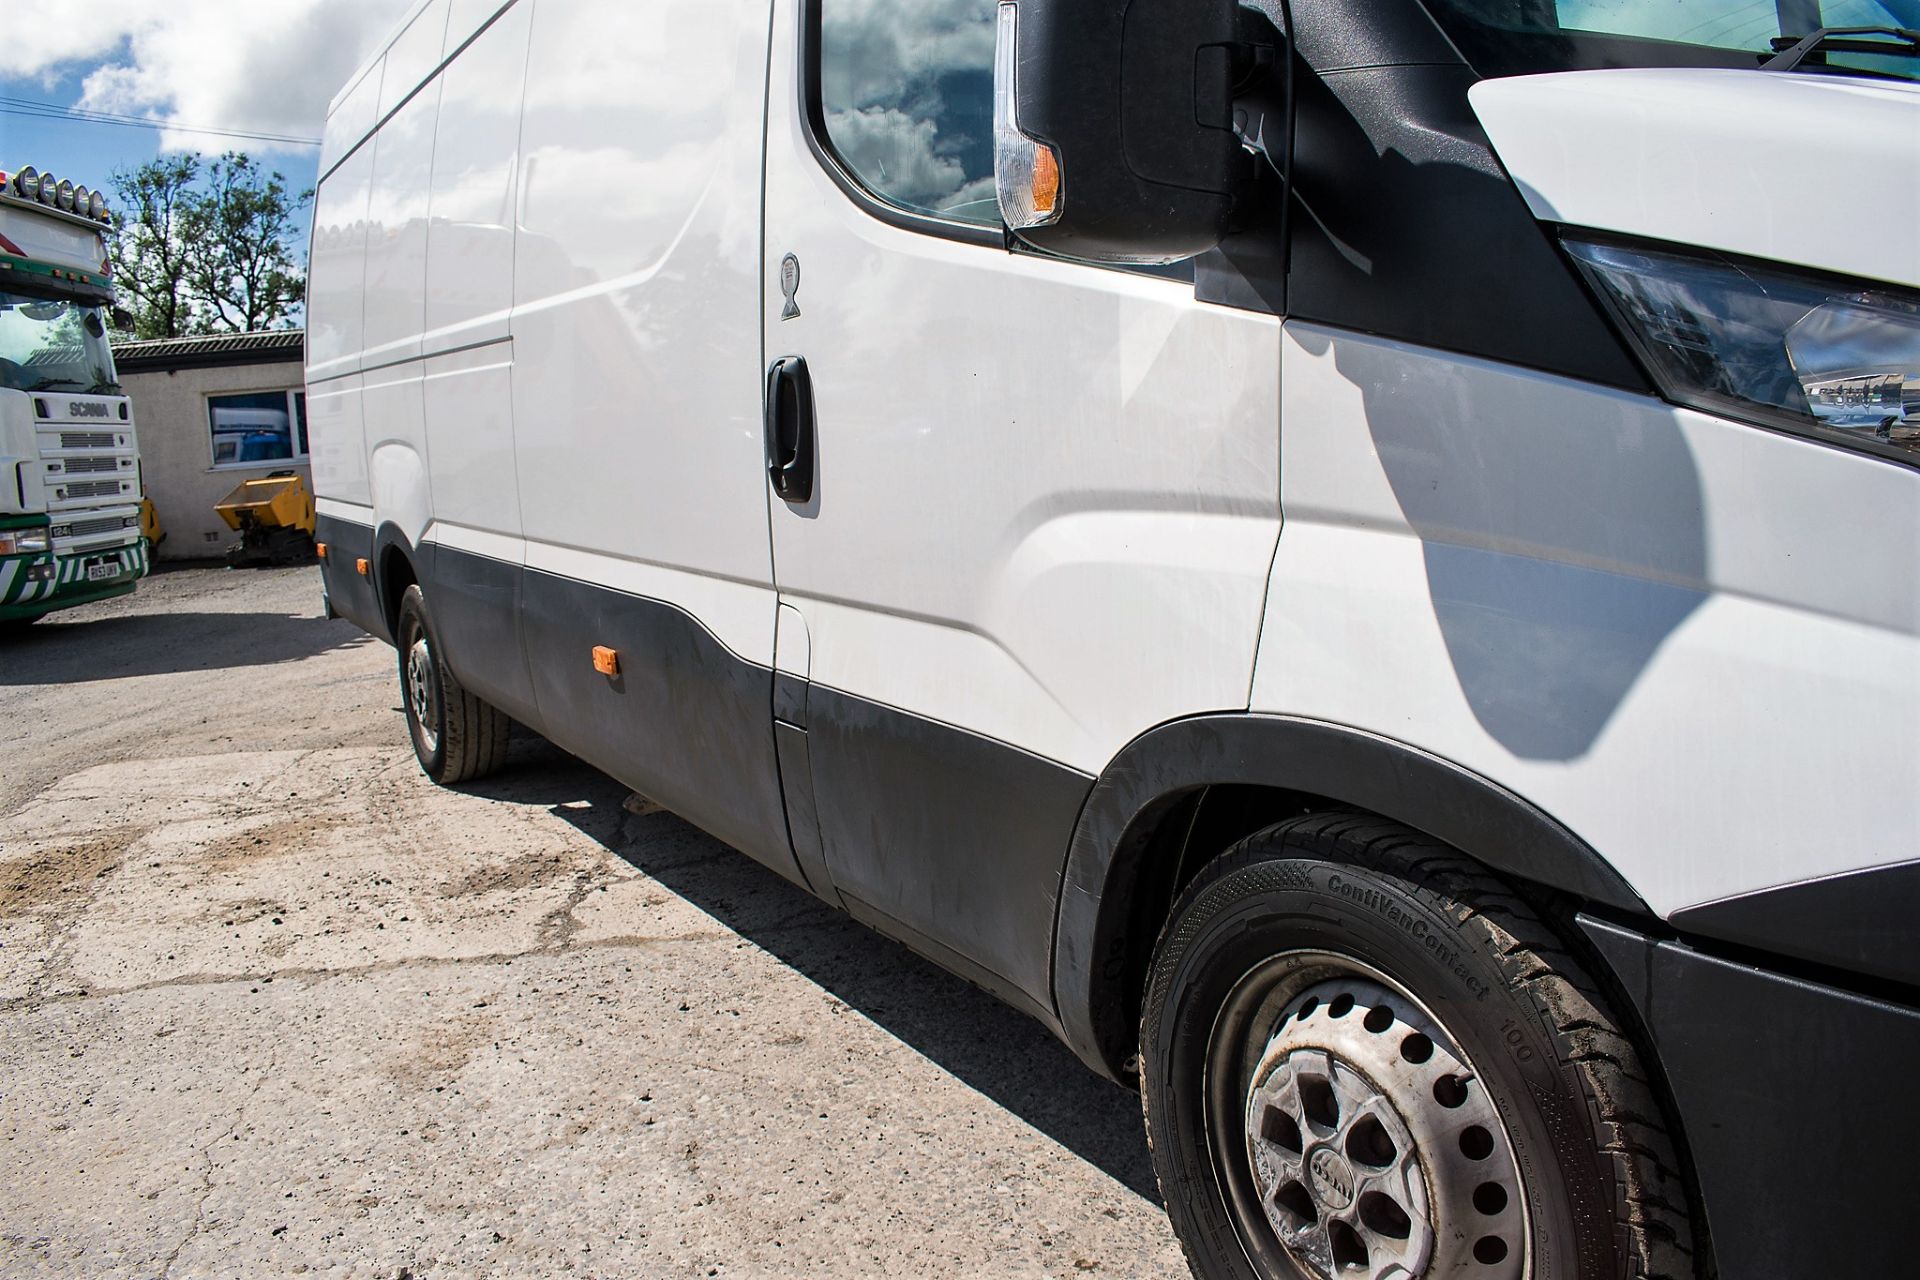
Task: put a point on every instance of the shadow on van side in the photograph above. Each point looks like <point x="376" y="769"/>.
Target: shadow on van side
<point x="987" y="1045"/>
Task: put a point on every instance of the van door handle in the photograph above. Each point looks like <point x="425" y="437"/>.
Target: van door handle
<point x="789" y="429"/>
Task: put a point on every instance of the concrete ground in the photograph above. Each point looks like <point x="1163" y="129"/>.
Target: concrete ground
<point x="273" y="1004"/>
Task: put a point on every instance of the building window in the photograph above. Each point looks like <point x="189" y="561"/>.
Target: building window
<point x="258" y="428"/>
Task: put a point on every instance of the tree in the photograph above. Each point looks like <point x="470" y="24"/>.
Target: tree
<point x="149" y="250"/>
<point x="219" y="255"/>
<point x="240" y="231"/>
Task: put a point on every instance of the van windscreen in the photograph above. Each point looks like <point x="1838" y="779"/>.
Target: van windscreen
<point x="1525" y="37"/>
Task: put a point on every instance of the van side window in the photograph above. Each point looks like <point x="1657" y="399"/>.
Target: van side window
<point x="906" y="98"/>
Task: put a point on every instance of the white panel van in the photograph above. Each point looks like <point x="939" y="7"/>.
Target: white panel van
<point x="1357" y="561"/>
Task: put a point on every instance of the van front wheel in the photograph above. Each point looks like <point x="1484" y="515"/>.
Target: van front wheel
<point x="457" y="736"/>
<point x="1364" y="1057"/>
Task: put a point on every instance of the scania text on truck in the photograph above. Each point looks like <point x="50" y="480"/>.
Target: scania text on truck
<point x="1357" y="561"/>
<point x="69" y="458"/>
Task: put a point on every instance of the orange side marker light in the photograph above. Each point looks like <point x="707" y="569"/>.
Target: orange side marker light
<point x="361" y="567"/>
<point x="320" y="549"/>
<point x="606" y="661"/>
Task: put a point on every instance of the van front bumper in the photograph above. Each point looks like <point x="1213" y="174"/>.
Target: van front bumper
<point x="1795" y="1099"/>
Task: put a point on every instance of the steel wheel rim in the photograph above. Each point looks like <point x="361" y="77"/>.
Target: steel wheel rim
<point x="1461" y="1207"/>
<point x="420" y="692"/>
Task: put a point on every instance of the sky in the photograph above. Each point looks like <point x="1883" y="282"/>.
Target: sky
<point x="254" y="66"/>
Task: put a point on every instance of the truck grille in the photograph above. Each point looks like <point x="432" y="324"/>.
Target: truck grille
<point x="86" y="439"/>
<point x="92" y="489"/>
<point x="87" y="528"/>
<point x="75" y="466"/>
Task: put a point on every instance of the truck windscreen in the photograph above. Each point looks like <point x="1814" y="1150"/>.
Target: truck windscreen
<point x="50" y="344"/>
<point x="1524" y="37"/>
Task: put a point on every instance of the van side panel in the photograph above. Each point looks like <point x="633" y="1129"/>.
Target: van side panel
<point x="414" y="53"/>
<point x="537" y="367"/>
<point x="477" y="569"/>
<point x="470" y="215"/>
<point x="464" y="17"/>
<point x="396" y="269"/>
<point x="335" y="278"/>
<point x="336" y="436"/>
<point x="636" y="294"/>
<point x="469" y="282"/>
<point x="636" y="402"/>
<point x="467" y="385"/>
<point x="350" y="117"/>
<point x="393" y="306"/>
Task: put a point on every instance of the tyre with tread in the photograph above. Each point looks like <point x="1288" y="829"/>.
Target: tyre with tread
<point x="457" y="736"/>
<point x="1364" y="1056"/>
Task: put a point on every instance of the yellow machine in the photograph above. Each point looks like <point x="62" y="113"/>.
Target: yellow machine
<point x="274" y="517"/>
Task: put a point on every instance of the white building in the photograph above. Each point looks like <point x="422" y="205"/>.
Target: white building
<point x="212" y="411"/>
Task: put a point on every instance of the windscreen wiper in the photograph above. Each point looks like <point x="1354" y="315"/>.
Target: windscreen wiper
<point x="1791" y="51"/>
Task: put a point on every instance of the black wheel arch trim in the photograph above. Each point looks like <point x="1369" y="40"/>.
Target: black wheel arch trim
<point x="1346" y="766"/>
<point x="388" y="537"/>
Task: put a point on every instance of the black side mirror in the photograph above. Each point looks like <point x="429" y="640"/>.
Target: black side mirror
<point x="123" y="319"/>
<point x="1113" y="126"/>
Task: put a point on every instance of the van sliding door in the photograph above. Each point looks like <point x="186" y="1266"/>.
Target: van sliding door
<point x="636" y="402"/>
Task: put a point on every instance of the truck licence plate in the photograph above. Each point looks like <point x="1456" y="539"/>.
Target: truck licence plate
<point x="101" y="570"/>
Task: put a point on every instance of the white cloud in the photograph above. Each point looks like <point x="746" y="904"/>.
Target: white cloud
<point x="260" y="65"/>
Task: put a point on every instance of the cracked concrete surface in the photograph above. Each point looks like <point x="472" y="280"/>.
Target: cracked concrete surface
<point x="273" y="1004"/>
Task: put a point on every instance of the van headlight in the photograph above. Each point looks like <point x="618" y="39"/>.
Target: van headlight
<point x="1830" y="359"/>
<point x="23" y="542"/>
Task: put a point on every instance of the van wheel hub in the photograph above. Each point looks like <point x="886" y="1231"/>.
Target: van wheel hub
<point x="1376" y="1151"/>
<point x="420" y="691"/>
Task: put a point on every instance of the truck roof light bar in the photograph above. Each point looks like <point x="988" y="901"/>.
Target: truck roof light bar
<point x="31" y="184"/>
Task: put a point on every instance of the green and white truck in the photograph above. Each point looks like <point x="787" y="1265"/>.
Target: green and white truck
<point x="69" y="457"/>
